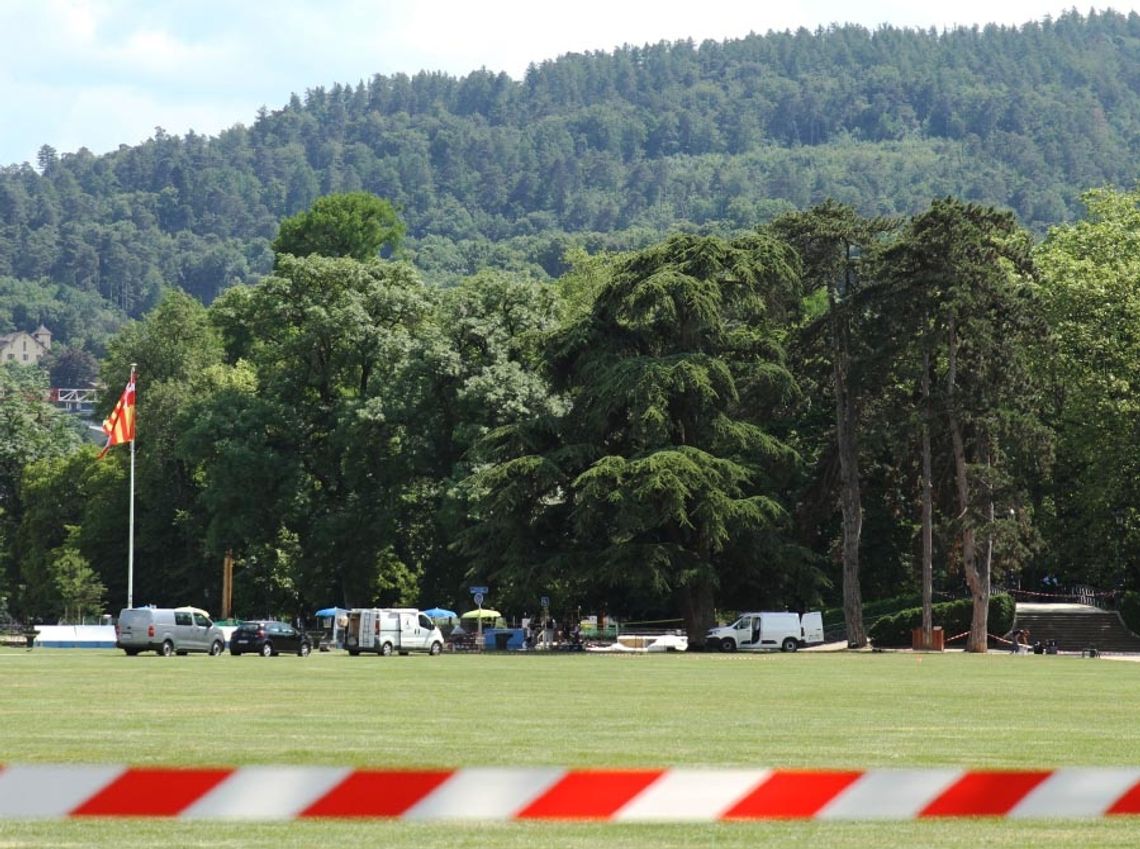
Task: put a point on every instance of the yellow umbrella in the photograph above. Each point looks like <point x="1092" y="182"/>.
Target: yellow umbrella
<point x="485" y="613"/>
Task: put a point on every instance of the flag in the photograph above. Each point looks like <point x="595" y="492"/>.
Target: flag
<point x="120" y="425"/>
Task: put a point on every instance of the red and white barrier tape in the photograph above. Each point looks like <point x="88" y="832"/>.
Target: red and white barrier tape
<point x="677" y="795"/>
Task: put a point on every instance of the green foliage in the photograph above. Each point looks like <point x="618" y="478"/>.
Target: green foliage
<point x="873" y="610"/>
<point x="606" y="151"/>
<point x="31" y="429"/>
<point x="659" y="473"/>
<point x="356" y="225"/>
<point x="1090" y="296"/>
<point x="74" y="516"/>
<point x="81" y="593"/>
<point x="634" y="433"/>
<point x="954" y="617"/>
<point x="313" y="417"/>
<point x="77" y="318"/>
<point x="172" y="346"/>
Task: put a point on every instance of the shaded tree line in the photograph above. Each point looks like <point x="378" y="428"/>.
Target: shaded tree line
<point x="661" y="431"/>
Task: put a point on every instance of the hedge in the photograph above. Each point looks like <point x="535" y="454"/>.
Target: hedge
<point x="953" y="616"/>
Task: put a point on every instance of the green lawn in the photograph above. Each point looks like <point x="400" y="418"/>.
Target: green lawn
<point x="807" y="709"/>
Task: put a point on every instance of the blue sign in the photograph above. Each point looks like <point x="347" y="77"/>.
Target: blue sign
<point x="475" y="590"/>
<point x="545" y="601"/>
<point x="478" y="599"/>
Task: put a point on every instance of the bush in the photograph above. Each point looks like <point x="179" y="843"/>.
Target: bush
<point x="954" y="617"/>
<point x="872" y="610"/>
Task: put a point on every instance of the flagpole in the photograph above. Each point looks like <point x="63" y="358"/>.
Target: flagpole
<point x="131" y="521"/>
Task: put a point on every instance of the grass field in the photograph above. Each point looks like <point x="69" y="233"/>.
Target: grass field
<point x="802" y="710"/>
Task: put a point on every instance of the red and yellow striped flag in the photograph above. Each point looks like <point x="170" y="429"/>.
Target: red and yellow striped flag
<point x="120" y="425"/>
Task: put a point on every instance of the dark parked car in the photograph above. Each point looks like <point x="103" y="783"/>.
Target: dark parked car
<point x="267" y="638"/>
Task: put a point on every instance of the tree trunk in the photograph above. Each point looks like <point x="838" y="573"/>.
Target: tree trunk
<point x="987" y="449"/>
<point x="849" y="497"/>
<point x="698" y="610"/>
<point x="927" y="512"/>
<point x="975" y="579"/>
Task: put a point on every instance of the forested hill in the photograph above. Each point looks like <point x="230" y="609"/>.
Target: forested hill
<point x="605" y="149"/>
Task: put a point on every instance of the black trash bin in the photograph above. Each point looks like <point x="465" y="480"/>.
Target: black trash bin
<point x="30" y="635"/>
<point x="502" y="639"/>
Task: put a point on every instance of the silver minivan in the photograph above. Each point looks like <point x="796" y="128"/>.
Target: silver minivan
<point x="168" y="631"/>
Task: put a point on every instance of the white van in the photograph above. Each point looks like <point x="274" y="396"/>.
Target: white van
<point x="387" y="630"/>
<point x="168" y="631"/>
<point x="768" y="632"/>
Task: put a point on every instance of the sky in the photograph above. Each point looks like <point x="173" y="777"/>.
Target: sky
<point x="103" y="73"/>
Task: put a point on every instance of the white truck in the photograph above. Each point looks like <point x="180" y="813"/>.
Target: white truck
<point x="387" y="630"/>
<point x="768" y="632"/>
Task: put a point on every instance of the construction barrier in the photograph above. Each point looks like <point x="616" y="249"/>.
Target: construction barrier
<point x="661" y="795"/>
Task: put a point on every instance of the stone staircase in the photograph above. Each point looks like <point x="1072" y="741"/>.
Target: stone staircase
<point x="1076" y="627"/>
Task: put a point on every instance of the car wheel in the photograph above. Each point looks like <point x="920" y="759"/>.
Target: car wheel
<point x="305" y="649"/>
<point x="386" y="649"/>
<point x="728" y="644"/>
<point x="267" y="650"/>
<point x="216" y="648"/>
<point x="436" y="648"/>
<point x="353" y="652"/>
<point x="167" y="649"/>
<point x="235" y="652"/>
<point x="790" y="644"/>
<point x="131" y="652"/>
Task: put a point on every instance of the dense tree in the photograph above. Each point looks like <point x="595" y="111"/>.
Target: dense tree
<point x="661" y="476"/>
<point x="355" y="225"/>
<point x="475" y="370"/>
<point x="327" y="339"/>
<point x="169" y="348"/>
<point x="1091" y="293"/>
<point x="831" y="239"/>
<point x="31" y="429"/>
<point x="969" y="269"/>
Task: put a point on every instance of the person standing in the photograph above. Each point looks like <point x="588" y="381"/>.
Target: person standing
<point x="1015" y="641"/>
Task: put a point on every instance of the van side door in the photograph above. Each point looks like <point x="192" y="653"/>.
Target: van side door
<point x="425" y="630"/>
<point x="202" y="626"/>
<point x="409" y="631"/>
<point x="369" y="628"/>
<point x="746" y="630"/>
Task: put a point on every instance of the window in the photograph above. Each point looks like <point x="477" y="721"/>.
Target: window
<point x="425" y="622"/>
<point x="182" y="617"/>
<point x="201" y="621"/>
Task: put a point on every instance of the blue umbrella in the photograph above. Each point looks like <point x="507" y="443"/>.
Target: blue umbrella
<point x="330" y="611"/>
<point x="440" y="613"/>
